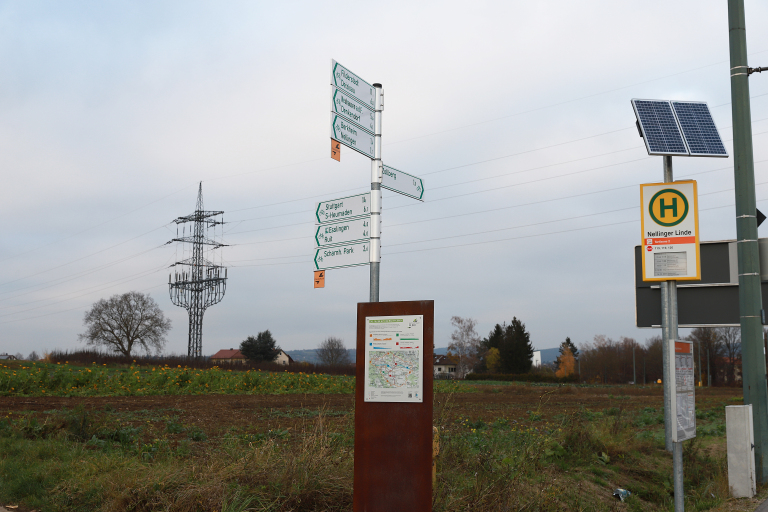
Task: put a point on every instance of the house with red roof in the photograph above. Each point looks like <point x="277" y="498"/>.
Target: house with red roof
<point x="232" y="355"/>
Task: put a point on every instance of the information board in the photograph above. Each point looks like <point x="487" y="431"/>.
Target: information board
<point x="670" y="231"/>
<point x="394" y="359"/>
<point x="683" y="399"/>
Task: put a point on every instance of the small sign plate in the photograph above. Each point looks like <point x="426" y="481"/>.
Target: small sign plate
<point x="319" y="278"/>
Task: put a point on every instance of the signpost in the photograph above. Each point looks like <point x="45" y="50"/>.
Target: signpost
<point x="347" y="81"/>
<point x="352" y="135"/>
<point x="354" y="110"/>
<point x="402" y="183"/>
<point x="356" y="230"/>
<point x="348" y="207"/>
<point x="670" y="227"/>
<point x="340" y="256"/>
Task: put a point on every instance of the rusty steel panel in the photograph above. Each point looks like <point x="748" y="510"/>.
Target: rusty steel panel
<point x="393" y="441"/>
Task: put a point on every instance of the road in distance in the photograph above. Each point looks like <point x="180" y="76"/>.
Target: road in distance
<point x="343" y="208"/>
<point x="348" y="255"/>
<point x="356" y="230"/>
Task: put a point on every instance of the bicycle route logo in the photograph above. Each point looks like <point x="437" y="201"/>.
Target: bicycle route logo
<point x="668" y="207"/>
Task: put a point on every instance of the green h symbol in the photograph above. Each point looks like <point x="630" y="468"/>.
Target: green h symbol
<point x="663" y="207"/>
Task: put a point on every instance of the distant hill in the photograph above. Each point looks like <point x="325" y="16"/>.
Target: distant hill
<point x="548" y="355"/>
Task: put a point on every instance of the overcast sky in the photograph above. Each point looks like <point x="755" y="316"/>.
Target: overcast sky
<point x="516" y="114"/>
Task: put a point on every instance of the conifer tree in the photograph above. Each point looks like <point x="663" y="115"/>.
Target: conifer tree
<point x="516" y="350"/>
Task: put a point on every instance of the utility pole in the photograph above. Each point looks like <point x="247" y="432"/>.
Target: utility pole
<point x="701" y="380"/>
<point x="376" y="176"/>
<point x="668" y="332"/>
<point x="205" y="282"/>
<point x="750" y="300"/>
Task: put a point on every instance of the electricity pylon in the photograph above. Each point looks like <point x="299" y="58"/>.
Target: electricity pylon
<point x="199" y="284"/>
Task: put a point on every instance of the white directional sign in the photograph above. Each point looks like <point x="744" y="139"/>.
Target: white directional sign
<point x="348" y="255"/>
<point x="349" y="107"/>
<point x="356" y="230"/>
<point x="351" y="135"/>
<point x="352" y="84"/>
<point x="670" y="227"/>
<point x="402" y="183"/>
<point x="343" y="208"/>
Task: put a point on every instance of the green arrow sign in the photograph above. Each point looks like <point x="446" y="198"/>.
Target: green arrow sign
<point x="357" y="230"/>
<point x="349" y="107"/>
<point x="343" y="208"/>
<point x="348" y="255"/>
<point x="352" y="84"/>
<point x="351" y="135"/>
<point x="402" y="183"/>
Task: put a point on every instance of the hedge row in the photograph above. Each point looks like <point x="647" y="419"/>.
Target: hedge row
<point x="524" y="377"/>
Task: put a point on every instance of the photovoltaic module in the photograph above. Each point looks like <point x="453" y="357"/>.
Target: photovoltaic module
<point x="678" y="128"/>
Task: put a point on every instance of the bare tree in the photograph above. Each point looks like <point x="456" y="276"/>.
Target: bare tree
<point x="730" y="337"/>
<point x="125" y="321"/>
<point x="19" y="356"/>
<point x="33" y="356"/>
<point x="465" y="344"/>
<point x="332" y="352"/>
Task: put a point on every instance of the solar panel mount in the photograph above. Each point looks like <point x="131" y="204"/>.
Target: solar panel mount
<point x="678" y="128"/>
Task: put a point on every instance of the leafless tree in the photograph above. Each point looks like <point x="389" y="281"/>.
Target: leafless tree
<point x="730" y="337"/>
<point x="465" y="344"/>
<point x="332" y="352"/>
<point x="33" y="356"/>
<point x="124" y="322"/>
<point x="19" y="356"/>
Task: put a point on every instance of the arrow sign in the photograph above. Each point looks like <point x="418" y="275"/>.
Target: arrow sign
<point x="352" y="84"/>
<point x="357" y="230"/>
<point x="349" y="107"/>
<point x="351" y="135"/>
<point x="402" y="183"/>
<point x="343" y="208"/>
<point x="349" y="255"/>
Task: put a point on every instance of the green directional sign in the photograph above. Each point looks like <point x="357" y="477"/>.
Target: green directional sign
<point x="348" y="255"/>
<point x="343" y="208"/>
<point x="335" y="233"/>
<point x="352" y="84"/>
<point x="354" y="110"/>
<point x="402" y="183"/>
<point x="351" y="135"/>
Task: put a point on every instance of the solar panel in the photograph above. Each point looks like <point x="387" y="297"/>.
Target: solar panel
<point x="661" y="132"/>
<point x="699" y="129"/>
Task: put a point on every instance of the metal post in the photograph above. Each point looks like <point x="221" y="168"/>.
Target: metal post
<point x="668" y="332"/>
<point x="644" y="374"/>
<point x="750" y="300"/>
<point x="709" y="372"/>
<point x="677" y="468"/>
<point x="376" y="172"/>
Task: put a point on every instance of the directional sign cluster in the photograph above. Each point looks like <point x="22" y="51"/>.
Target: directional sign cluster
<point x="352" y="103"/>
<point x="343" y="232"/>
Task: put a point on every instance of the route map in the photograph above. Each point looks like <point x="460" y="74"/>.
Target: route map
<point x="393" y="369"/>
<point x="394" y="363"/>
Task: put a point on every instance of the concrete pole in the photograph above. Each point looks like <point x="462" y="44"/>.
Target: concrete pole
<point x="668" y="333"/>
<point x="750" y="300"/>
<point x="376" y="172"/>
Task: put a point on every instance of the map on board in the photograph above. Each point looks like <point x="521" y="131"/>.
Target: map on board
<point x="393" y="369"/>
<point x="394" y="363"/>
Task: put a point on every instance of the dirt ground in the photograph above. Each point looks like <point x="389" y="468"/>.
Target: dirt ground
<point x="217" y="413"/>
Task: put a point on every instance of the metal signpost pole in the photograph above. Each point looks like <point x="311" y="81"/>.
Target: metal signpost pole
<point x="750" y="300"/>
<point x="376" y="173"/>
<point x="668" y="333"/>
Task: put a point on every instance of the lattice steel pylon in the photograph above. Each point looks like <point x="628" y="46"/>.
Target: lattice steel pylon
<point x="200" y="283"/>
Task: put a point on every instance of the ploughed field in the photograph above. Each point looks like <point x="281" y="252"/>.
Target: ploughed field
<point x="160" y="439"/>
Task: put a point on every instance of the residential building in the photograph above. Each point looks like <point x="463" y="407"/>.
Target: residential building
<point x="444" y="367"/>
<point x="283" y="358"/>
<point x="232" y="355"/>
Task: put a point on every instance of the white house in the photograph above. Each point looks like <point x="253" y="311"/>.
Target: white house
<point x="537" y="358"/>
<point x="444" y="367"/>
<point x="283" y="358"/>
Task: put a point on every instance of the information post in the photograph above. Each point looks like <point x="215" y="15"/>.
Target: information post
<point x="393" y="406"/>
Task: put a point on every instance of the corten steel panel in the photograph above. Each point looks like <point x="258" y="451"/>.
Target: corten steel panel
<point x="393" y="441"/>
